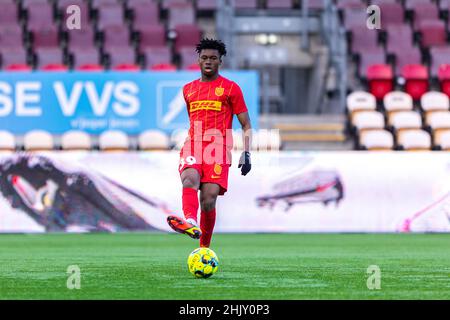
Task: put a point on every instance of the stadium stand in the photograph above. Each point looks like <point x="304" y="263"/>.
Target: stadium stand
<point x="403" y="66"/>
<point x="153" y="140"/>
<point x="76" y="140"/>
<point x="7" y="141"/>
<point x="38" y="140"/>
<point x="113" y="140"/>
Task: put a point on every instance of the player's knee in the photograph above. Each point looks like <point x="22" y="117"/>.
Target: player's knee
<point x="208" y="203"/>
<point x="190" y="182"/>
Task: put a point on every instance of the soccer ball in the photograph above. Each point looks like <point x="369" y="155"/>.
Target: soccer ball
<point x="203" y="263"/>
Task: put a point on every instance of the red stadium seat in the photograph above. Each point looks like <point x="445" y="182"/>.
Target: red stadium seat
<point x="444" y="78"/>
<point x="126" y="67"/>
<point x="54" y="67"/>
<point x="90" y="67"/>
<point x="416" y="80"/>
<point x="18" y="67"/>
<point x="163" y="67"/>
<point x="193" y="67"/>
<point x="381" y="80"/>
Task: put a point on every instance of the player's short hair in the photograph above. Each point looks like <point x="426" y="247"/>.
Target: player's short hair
<point x="212" y="44"/>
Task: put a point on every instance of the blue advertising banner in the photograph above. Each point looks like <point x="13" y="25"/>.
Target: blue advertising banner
<point x="95" y="102"/>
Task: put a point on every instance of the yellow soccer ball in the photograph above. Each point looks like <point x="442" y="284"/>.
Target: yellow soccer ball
<point x="203" y="263"/>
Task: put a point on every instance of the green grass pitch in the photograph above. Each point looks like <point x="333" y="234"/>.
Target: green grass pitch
<point x="252" y="266"/>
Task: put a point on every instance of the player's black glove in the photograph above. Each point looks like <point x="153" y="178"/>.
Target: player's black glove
<point x="245" y="163"/>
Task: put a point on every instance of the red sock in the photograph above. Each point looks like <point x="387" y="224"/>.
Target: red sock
<point x="207" y="222"/>
<point x="190" y="203"/>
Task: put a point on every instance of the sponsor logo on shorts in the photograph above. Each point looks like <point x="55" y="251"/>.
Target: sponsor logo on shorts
<point x="217" y="169"/>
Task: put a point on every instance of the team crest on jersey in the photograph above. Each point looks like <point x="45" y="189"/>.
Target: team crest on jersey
<point x="219" y="91"/>
<point x="217" y="169"/>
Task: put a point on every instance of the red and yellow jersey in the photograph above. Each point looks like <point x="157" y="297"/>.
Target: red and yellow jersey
<point x="211" y="105"/>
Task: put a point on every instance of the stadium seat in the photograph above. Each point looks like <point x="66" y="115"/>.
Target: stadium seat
<point x="369" y="57"/>
<point x="75" y="140"/>
<point x="245" y="4"/>
<point x="11" y="36"/>
<point x="422" y="10"/>
<point x="350" y="4"/>
<point x="157" y="56"/>
<point x="110" y="15"/>
<point x="404" y="120"/>
<point x="13" y="57"/>
<point x="7" y="141"/>
<point x="38" y="14"/>
<point x="153" y="140"/>
<point x="116" y="36"/>
<point x="404" y="57"/>
<point x="363" y="40"/>
<point x="444" y="78"/>
<point x="399" y="38"/>
<point x="188" y="57"/>
<point x="439" y="56"/>
<point x="206" y="5"/>
<point x="414" y="140"/>
<point x="120" y="55"/>
<point x="90" y="67"/>
<point x="434" y="101"/>
<point x="45" y="56"/>
<point x="438" y="121"/>
<point x="128" y="67"/>
<point x="279" y="4"/>
<point x="83" y="38"/>
<point x="18" y="68"/>
<point x="152" y="36"/>
<point x="9" y="15"/>
<point x="374" y="140"/>
<point x="180" y="14"/>
<point x="55" y="67"/>
<point x="355" y="18"/>
<point x="113" y="140"/>
<point x="416" y="80"/>
<point x="187" y="36"/>
<point x="98" y="3"/>
<point x="442" y="140"/>
<point x="38" y="140"/>
<point x="392" y="13"/>
<point x="397" y="101"/>
<point x="45" y="36"/>
<point x="192" y="67"/>
<point x="163" y="67"/>
<point x="380" y="79"/>
<point x="433" y="33"/>
<point x="168" y="3"/>
<point x="84" y="56"/>
<point x="143" y="14"/>
<point x="360" y="101"/>
<point x="368" y="120"/>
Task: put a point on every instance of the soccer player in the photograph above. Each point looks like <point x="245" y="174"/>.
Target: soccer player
<point x="205" y="158"/>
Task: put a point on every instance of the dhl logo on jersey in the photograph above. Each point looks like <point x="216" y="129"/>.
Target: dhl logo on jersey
<point x="206" y="105"/>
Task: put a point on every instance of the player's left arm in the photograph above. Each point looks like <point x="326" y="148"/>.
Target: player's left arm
<point x="240" y="109"/>
<point x="245" y="162"/>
